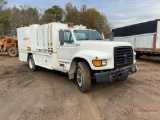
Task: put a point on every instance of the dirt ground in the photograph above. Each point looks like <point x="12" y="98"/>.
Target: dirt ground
<point x="49" y="95"/>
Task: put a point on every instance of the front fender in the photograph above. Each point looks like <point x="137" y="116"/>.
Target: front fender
<point x="90" y="55"/>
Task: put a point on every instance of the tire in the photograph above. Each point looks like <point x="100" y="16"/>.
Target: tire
<point x="83" y="77"/>
<point x="138" y="56"/>
<point x="122" y="78"/>
<point x="31" y="63"/>
<point x="13" y="52"/>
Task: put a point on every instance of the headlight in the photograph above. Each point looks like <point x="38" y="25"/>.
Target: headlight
<point x="104" y="62"/>
<point x="99" y="63"/>
<point x="134" y="55"/>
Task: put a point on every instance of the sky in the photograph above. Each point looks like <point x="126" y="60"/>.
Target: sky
<point x="118" y="12"/>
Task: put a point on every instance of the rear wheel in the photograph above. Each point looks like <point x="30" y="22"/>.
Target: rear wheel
<point x="83" y="77"/>
<point x="31" y="63"/>
<point x="13" y="52"/>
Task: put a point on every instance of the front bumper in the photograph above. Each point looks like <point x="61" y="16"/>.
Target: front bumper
<point x="112" y="75"/>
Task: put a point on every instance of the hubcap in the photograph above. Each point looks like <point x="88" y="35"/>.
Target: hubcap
<point x="79" y="77"/>
<point x="30" y="63"/>
<point x="12" y="51"/>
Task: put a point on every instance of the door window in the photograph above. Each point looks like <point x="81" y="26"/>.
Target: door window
<point x="66" y="36"/>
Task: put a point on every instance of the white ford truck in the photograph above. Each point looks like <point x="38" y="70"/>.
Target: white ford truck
<point x="81" y="53"/>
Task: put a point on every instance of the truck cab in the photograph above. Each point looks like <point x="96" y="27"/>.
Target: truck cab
<point x="81" y="53"/>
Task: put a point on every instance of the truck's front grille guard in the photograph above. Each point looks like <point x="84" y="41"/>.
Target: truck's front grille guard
<point x="123" y="56"/>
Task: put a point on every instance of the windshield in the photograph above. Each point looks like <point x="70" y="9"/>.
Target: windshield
<point x="87" y="35"/>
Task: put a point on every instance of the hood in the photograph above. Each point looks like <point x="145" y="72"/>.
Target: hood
<point x="101" y="45"/>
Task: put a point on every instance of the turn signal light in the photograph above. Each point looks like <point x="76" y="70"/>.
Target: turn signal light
<point x="97" y="63"/>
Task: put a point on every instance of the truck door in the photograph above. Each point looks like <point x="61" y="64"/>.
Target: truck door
<point x="66" y="48"/>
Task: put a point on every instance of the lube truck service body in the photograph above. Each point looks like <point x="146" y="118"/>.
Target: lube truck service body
<point x="81" y="53"/>
<point x="144" y="37"/>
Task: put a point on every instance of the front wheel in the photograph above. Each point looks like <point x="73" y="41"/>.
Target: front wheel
<point x="83" y="77"/>
<point x="31" y="63"/>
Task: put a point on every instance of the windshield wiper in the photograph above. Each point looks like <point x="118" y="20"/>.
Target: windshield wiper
<point x="99" y="39"/>
<point x="83" y="39"/>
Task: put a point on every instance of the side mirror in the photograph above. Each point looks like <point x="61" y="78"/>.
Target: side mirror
<point x="103" y="36"/>
<point x="61" y="43"/>
<point x="111" y="36"/>
<point x="61" y="37"/>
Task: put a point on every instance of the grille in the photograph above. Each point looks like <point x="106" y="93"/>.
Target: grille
<point x="123" y="56"/>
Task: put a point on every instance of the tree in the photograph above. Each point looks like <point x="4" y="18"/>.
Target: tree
<point x="16" y="18"/>
<point x="106" y="28"/>
<point x="72" y="14"/>
<point x="5" y="21"/>
<point x="52" y="14"/>
<point x="12" y="18"/>
<point x="93" y="19"/>
<point x="47" y="18"/>
<point x="28" y="15"/>
<point x="83" y="15"/>
<point x="2" y="4"/>
<point x="24" y="16"/>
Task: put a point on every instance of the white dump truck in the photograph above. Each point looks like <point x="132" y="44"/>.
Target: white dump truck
<point x="144" y="37"/>
<point x="81" y="53"/>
